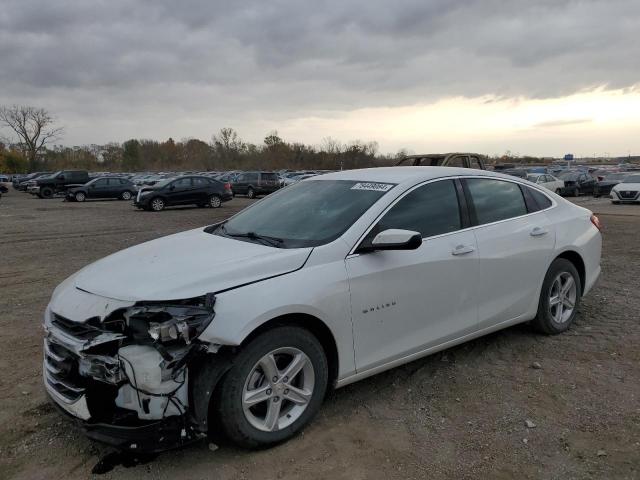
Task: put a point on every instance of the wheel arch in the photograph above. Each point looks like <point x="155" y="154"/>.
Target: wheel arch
<point x="311" y="323"/>
<point x="576" y="259"/>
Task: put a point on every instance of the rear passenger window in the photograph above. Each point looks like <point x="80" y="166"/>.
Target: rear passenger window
<point x="540" y="200"/>
<point x="495" y="200"/>
<point x="431" y="210"/>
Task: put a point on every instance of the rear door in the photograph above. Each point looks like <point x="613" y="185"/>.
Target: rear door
<point x="514" y="248"/>
<point x="404" y="302"/>
<point x="240" y="183"/>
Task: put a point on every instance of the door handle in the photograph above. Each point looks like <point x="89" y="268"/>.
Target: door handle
<point x="538" y="231"/>
<point x="462" y="250"/>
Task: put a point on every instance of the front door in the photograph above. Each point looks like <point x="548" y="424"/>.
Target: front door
<point x="404" y="302"/>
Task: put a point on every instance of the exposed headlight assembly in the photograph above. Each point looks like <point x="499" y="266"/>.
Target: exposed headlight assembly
<point x="168" y="323"/>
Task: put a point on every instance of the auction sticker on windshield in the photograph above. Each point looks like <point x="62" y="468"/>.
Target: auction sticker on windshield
<point x="376" y="187"/>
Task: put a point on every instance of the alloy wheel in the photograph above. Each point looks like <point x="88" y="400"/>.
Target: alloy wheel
<point x="157" y="204"/>
<point x="126" y="195"/>
<point x="278" y="389"/>
<point x="562" y="297"/>
<point x="215" y="201"/>
<point x="80" y="197"/>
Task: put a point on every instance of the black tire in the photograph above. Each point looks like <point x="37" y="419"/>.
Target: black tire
<point x="46" y="192"/>
<point x="544" y="321"/>
<point x="228" y="410"/>
<point x="251" y="193"/>
<point x="157" y="204"/>
<point x="558" y="191"/>
<point x="126" y="195"/>
<point x="215" y="201"/>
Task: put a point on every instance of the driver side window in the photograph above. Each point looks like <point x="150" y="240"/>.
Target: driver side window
<point x="431" y="210"/>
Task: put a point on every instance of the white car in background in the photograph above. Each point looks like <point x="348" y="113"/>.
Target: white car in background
<point x="547" y="181"/>
<point x="627" y="191"/>
<point x="242" y="327"/>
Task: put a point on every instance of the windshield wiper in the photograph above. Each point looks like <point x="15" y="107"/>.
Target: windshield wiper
<point x="273" y="241"/>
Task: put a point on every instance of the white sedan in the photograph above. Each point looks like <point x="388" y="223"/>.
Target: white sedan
<point x="547" y="181"/>
<point x="627" y="191"/>
<point x="240" y="328"/>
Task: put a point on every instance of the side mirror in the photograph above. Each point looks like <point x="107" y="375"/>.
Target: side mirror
<point x="393" y="239"/>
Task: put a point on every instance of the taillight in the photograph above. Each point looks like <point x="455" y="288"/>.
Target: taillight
<point x="596" y="222"/>
<point x="227" y="186"/>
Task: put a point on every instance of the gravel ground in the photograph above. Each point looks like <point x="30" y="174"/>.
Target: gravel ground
<point x="512" y="404"/>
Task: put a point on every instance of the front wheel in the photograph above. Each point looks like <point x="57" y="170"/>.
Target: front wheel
<point x="126" y="195"/>
<point x="80" y="197"/>
<point x="157" y="204"/>
<point x="275" y="387"/>
<point x="559" y="298"/>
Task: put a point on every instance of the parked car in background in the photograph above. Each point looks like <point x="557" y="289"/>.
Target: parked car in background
<point x="186" y="190"/>
<point x="5" y="181"/>
<point x="627" y="191"/>
<point x="464" y="160"/>
<point x="22" y="183"/>
<point x="516" y="172"/>
<point x="48" y="186"/>
<point x="253" y="184"/>
<point x="547" y="181"/>
<point x="242" y="327"/>
<point x="577" y="183"/>
<point x="606" y="182"/>
<point x="102" y="187"/>
<point x="3" y="189"/>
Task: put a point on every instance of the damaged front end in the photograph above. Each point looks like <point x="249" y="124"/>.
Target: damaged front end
<point x="128" y="376"/>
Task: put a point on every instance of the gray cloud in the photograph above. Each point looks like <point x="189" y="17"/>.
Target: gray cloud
<point x="143" y="64"/>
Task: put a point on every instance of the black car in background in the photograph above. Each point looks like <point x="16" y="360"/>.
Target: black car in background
<point x="21" y="183"/>
<point x="604" y="186"/>
<point x="186" y="190"/>
<point x="253" y="184"/>
<point x="577" y="183"/>
<point x="103" y="187"/>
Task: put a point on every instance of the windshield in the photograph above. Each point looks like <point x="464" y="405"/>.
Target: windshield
<point x="632" y="179"/>
<point x="306" y="214"/>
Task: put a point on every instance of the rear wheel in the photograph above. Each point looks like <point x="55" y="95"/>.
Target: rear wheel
<point x="157" y="204"/>
<point x="559" y="298"/>
<point x="275" y="387"/>
<point x="80" y="197"/>
<point x="126" y="195"/>
<point x="251" y="193"/>
<point x="215" y="201"/>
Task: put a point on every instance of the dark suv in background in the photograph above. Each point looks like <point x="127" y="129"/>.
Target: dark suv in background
<point x="253" y="184"/>
<point x="48" y="186"/>
<point x="187" y="190"/>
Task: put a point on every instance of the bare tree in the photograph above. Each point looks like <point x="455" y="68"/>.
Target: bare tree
<point x="34" y="128"/>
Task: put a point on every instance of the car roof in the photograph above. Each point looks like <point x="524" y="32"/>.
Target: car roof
<point x="408" y="175"/>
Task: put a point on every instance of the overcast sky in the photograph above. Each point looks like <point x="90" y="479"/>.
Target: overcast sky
<point x="542" y="77"/>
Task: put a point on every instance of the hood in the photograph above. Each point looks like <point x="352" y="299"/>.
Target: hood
<point x="634" y="187"/>
<point x="185" y="265"/>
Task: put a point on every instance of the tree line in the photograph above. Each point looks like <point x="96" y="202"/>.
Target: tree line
<point x="33" y="148"/>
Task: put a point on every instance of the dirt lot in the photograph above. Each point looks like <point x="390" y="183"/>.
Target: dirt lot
<point x="458" y="414"/>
